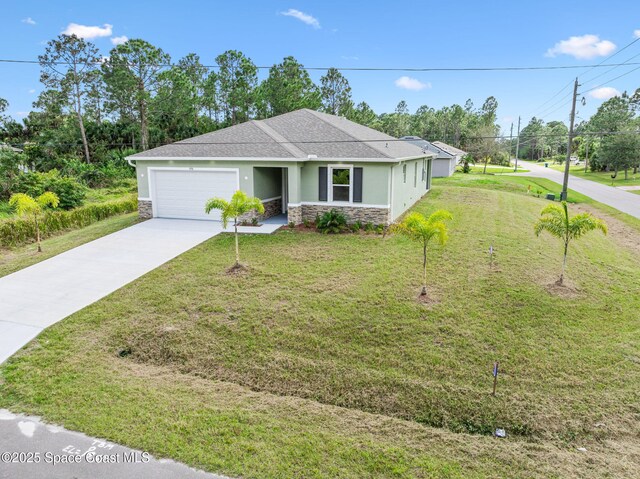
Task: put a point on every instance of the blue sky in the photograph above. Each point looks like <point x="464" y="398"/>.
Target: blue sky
<point x="375" y="33"/>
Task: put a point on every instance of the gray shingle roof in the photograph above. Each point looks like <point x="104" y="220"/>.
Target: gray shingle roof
<point x="293" y="135"/>
<point x="449" y="149"/>
<point x="427" y="145"/>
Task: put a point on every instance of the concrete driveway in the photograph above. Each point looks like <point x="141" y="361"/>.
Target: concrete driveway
<point x="41" y="295"/>
<point x="616" y="198"/>
<point x="34" y="449"/>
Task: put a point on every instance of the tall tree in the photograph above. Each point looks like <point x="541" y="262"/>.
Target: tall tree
<point x="620" y="152"/>
<point x="173" y="105"/>
<point x="69" y="66"/>
<point x="336" y="93"/>
<point x="131" y="75"/>
<point x="363" y="114"/>
<point x="237" y="79"/>
<point x="288" y="88"/>
<point x="196" y="73"/>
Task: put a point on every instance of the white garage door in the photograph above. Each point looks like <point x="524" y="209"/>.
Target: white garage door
<point x="183" y="193"/>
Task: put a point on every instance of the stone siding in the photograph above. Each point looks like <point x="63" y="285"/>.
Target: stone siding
<point x="145" y="210"/>
<point x="294" y="214"/>
<point x="377" y="216"/>
<point x="271" y="208"/>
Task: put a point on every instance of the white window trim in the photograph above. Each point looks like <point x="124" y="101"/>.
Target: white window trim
<point x="330" y="183"/>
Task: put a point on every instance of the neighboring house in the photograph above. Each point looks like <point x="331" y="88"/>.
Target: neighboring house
<point x="302" y="163"/>
<point x="452" y="150"/>
<point x="444" y="164"/>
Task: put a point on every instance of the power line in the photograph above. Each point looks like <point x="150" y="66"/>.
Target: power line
<point x="380" y="69"/>
<point x="611" y="80"/>
<point x="316" y="142"/>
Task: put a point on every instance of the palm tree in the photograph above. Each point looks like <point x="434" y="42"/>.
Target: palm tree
<point x="239" y="205"/>
<point x="422" y="229"/>
<point x="29" y="206"/>
<point x="556" y="221"/>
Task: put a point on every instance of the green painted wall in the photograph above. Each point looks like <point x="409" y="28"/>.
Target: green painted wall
<point x="375" y="181"/>
<point x="267" y="182"/>
<point x="407" y="192"/>
<point x="246" y="169"/>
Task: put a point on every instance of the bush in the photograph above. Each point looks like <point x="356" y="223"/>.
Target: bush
<point x="70" y="191"/>
<point x="331" y="222"/>
<point x="110" y="173"/>
<point x="18" y="231"/>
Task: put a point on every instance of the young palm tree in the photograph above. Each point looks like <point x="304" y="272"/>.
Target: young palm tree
<point x="422" y="229"/>
<point x="239" y="205"/>
<point x="555" y="219"/>
<point x="26" y="205"/>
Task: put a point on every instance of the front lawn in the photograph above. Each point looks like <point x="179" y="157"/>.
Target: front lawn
<point x="603" y="177"/>
<point x="320" y="362"/>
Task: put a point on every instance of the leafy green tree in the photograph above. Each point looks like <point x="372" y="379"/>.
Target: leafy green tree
<point x="423" y="229"/>
<point x="237" y="79"/>
<point x="288" y="88"/>
<point x="556" y="221"/>
<point x="172" y="108"/>
<point x="196" y="73"/>
<point x="33" y="208"/>
<point x="336" y="93"/>
<point x="239" y="205"/>
<point x="4" y="104"/>
<point x="484" y="146"/>
<point x="131" y="74"/>
<point x="363" y="114"/>
<point x="69" y="66"/>
<point x="620" y="152"/>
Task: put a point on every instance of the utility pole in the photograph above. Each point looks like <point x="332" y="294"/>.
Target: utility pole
<point x="517" y="146"/>
<point x="511" y="144"/>
<point x="565" y="181"/>
<point x="586" y="156"/>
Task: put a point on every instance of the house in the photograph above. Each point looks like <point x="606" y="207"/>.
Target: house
<point x="301" y="163"/>
<point x="445" y="162"/>
<point x="452" y="150"/>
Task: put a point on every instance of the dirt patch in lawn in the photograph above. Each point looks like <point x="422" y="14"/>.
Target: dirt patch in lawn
<point x="623" y="234"/>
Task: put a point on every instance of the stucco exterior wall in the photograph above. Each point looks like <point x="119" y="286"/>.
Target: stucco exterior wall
<point x="375" y="181"/>
<point x="443" y="168"/>
<point x="406" y="191"/>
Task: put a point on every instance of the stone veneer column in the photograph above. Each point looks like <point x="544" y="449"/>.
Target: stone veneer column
<point x="294" y="214"/>
<point x="145" y="210"/>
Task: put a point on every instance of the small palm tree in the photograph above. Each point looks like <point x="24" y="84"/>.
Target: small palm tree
<point x="555" y="220"/>
<point x="29" y="206"/>
<point x="239" y="205"/>
<point x="423" y="229"/>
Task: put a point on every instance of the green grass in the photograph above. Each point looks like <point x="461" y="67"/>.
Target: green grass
<point x="320" y="362"/>
<point x="603" y="177"/>
<point x="14" y="259"/>
<point x="492" y="169"/>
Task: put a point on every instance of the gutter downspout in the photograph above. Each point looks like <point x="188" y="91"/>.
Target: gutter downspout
<point x="129" y="161"/>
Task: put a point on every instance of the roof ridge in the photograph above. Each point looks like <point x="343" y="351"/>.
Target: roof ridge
<point x="318" y="115"/>
<point x="278" y="138"/>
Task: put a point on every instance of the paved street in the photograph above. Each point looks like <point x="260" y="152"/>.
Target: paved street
<point x="52" y="452"/>
<point x="616" y="198"/>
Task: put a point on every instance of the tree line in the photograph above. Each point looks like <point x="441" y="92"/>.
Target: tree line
<point x="137" y="98"/>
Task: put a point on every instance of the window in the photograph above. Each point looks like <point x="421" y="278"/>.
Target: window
<point x="341" y="184"/>
<point x="404" y="173"/>
<point x="415" y="174"/>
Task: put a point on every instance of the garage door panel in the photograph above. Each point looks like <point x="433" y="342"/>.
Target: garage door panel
<point x="183" y="193"/>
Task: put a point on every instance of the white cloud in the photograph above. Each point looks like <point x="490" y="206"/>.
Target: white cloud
<point x="604" y="93"/>
<point x="32" y="90"/>
<point x="303" y="17"/>
<point x="119" y="40"/>
<point x="29" y="21"/>
<point x="636" y="33"/>
<point x="87" y="31"/>
<point x="346" y="57"/>
<point x="583" y="48"/>
<point x="409" y="83"/>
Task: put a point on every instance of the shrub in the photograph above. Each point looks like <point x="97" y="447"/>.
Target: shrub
<point x="331" y="222"/>
<point x="358" y="224"/>
<point x="369" y="227"/>
<point x="68" y="189"/>
<point x="308" y="223"/>
<point x="18" y="231"/>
